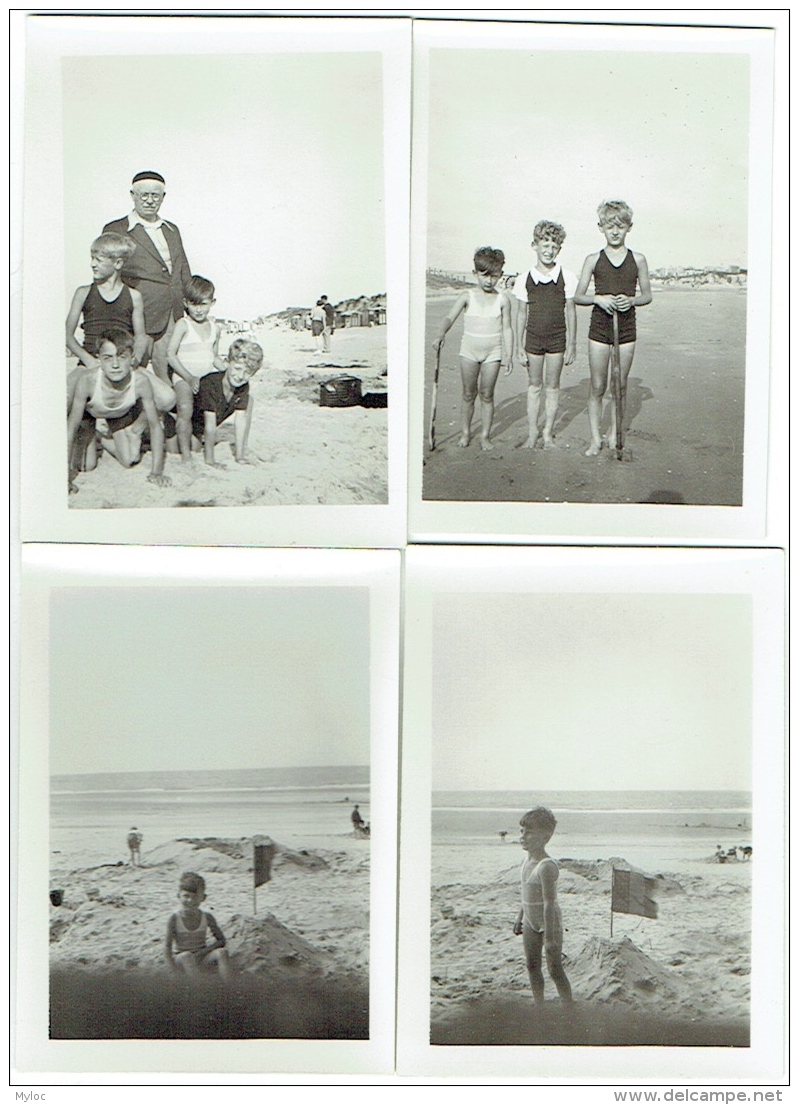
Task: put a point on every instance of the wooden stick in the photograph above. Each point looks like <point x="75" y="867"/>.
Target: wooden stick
<point x="434" y="401"/>
<point x="615" y="382"/>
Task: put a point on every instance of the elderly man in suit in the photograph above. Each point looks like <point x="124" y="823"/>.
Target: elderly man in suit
<point x="158" y="268"/>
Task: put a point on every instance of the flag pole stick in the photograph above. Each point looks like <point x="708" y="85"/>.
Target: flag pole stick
<point x="254" y="900"/>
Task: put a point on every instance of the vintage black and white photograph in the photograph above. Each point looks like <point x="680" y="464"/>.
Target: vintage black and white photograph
<point x="234" y="235"/>
<point x="584" y="307"/>
<point x="212" y="807"/>
<point x="593" y="839"/>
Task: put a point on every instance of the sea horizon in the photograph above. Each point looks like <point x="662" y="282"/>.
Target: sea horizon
<point x="314" y="777"/>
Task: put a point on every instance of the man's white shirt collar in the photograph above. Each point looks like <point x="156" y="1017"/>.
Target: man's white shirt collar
<point x="133" y="219"/>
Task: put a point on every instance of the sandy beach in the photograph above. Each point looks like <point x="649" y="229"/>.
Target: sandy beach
<point x="306" y="454"/>
<point x="685" y="415"/>
<point x="680" y="979"/>
<point x="301" y="963"/>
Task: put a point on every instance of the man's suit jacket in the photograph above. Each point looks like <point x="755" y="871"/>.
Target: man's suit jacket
<point x="161" y="290"/>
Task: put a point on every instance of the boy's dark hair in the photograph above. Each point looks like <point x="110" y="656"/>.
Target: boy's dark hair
<point x="488" y="260"/>
<point x="114" y="246"/>
<point x="547" y="229"/>
<point x="119" y="337"/>
<point x="539" y="817"/>
<point x="197" y="288"/>
<point x="192" y="882"/>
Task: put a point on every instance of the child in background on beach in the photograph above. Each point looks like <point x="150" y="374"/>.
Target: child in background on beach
<point x="134" y="844"/>
<point x="193" y="352"/>
<point x="318" y="322"/>
<point x="621" y="283"/>
<point x="187" y="946"/>
<point x="222" y="395"/>
<point x="546" y="332"/>
<point x="540" y="922"/>
<point x="124" y="399"/>
<point x="487" y="342"/>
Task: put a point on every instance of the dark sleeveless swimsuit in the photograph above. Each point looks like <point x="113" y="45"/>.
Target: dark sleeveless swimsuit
<point x="546" y="316"/>
<point x="99" y="314"/>
<point x="610" y="280"/>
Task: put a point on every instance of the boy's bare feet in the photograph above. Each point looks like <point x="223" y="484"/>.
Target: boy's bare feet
<point x="530" y="442"/>
<point x="551" y="443"/>
<point x="594" y="449"/>
<point x="463" y="441"/>
<point x="485" y="445"/>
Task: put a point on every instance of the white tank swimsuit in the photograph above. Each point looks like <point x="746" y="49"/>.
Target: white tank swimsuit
<point x="190" y="940"/>
<point x="482" y="329"/>
<point x="533" y="893"/>
<point x="195" y="351"/>
<point x="108" y="402"/>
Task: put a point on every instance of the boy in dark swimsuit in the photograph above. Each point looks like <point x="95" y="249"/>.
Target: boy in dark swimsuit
<point x="621" y="283"/>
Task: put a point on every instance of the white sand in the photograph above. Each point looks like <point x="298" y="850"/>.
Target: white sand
<point x="307" y="454"/>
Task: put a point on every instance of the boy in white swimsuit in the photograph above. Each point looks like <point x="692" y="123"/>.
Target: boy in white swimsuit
<point x="540" y="922"/>
<point x="123" y="398"/>
<point x="187" y="947"/>
<point x="487" y="342"/>
<point x="193" y="352"/>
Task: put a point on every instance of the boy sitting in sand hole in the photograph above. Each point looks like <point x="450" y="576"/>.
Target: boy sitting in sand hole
<point x="124" y="399"/>
<point x="621" y="283"/>
<point x="487" y="342"/>
<point x="221" y="395"/>
<point x="546" y="332"/>
<point x="193" y="353"/>
<point x="187" y="947"/>
<point x="540" y="922"/>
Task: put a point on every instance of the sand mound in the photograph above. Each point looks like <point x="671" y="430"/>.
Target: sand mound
<point x="610" y="970"/>
<point x="263" y="944"/>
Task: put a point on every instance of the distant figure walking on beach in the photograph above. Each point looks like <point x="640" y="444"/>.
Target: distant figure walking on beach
<point x="187" y="946"/>
<point x="486" y="345"/>
<point x="134" y="844"/>
<point x="540" y="922"/>
<point x="621" y="283"/>
<point x="330" y="322"/>
<point x="356" y="819"/>
<point x="318" y="325"/>
<point x="158" y="267"/>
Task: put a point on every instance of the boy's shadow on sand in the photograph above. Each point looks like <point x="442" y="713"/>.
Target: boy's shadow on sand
<point x="573" y="403"/>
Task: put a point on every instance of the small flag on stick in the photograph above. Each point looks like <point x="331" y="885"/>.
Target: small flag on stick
<point x="632" y="892"/>
<point x="263" y="854"/>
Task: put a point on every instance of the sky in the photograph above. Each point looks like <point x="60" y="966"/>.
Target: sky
<point x="592" y="692"/>
<point x="273" y="168"/>
<point x="517" y="136"/>
<point x="164" y="679"/>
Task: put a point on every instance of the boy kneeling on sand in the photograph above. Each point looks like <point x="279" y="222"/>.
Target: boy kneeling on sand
<point x="187" y="931"/>
<point x="220" y="395"/>
<point x="540" y="922"/>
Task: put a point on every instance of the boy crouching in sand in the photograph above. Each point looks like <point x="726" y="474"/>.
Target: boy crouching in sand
<point x="187" y="946"/>
<point x="221" y="395"/>
<point x="124" y="399"/>
<point x="540" y="922"/>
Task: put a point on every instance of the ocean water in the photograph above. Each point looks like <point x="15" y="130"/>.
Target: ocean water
<point x="647" y="827"/>
<point x="90" y="815"/>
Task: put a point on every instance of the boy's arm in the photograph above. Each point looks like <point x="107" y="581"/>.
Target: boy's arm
<point x="517" y="924"/>
<point x="449" y="319"/>
<point x="170" y="936"/>
<point x="644" y="287"/>
<point x="174" y="360"/>
<point x="582" y="297"/>
<point x="241" y="431"/>
<point x="571" y="332"/>
<point x="553" y="937"/>
<point x="209" y="439"/>
<point x="218" y="935"/>
<point x="520" y="325"/>
<point x="145" y="392"/>
<point x="73" y="318"/>
<point x="74" y="417"/>
<point x="507" y="334"/>
<point x="220" y="364"/>
<point x="137" y="321"/>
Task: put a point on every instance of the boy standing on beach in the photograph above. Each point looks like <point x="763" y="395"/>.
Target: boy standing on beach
<point x="187" y="930"/>
<point x="621" y="283"/>
<point x="546" y="333"/>
<point x="540" y="923"/>
<point x="107" y="301"/>
<point x="193" y="352"/>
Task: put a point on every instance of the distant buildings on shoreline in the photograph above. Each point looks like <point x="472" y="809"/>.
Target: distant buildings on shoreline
<point x="362" y="310"/>
<point x="677" y="276"/>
